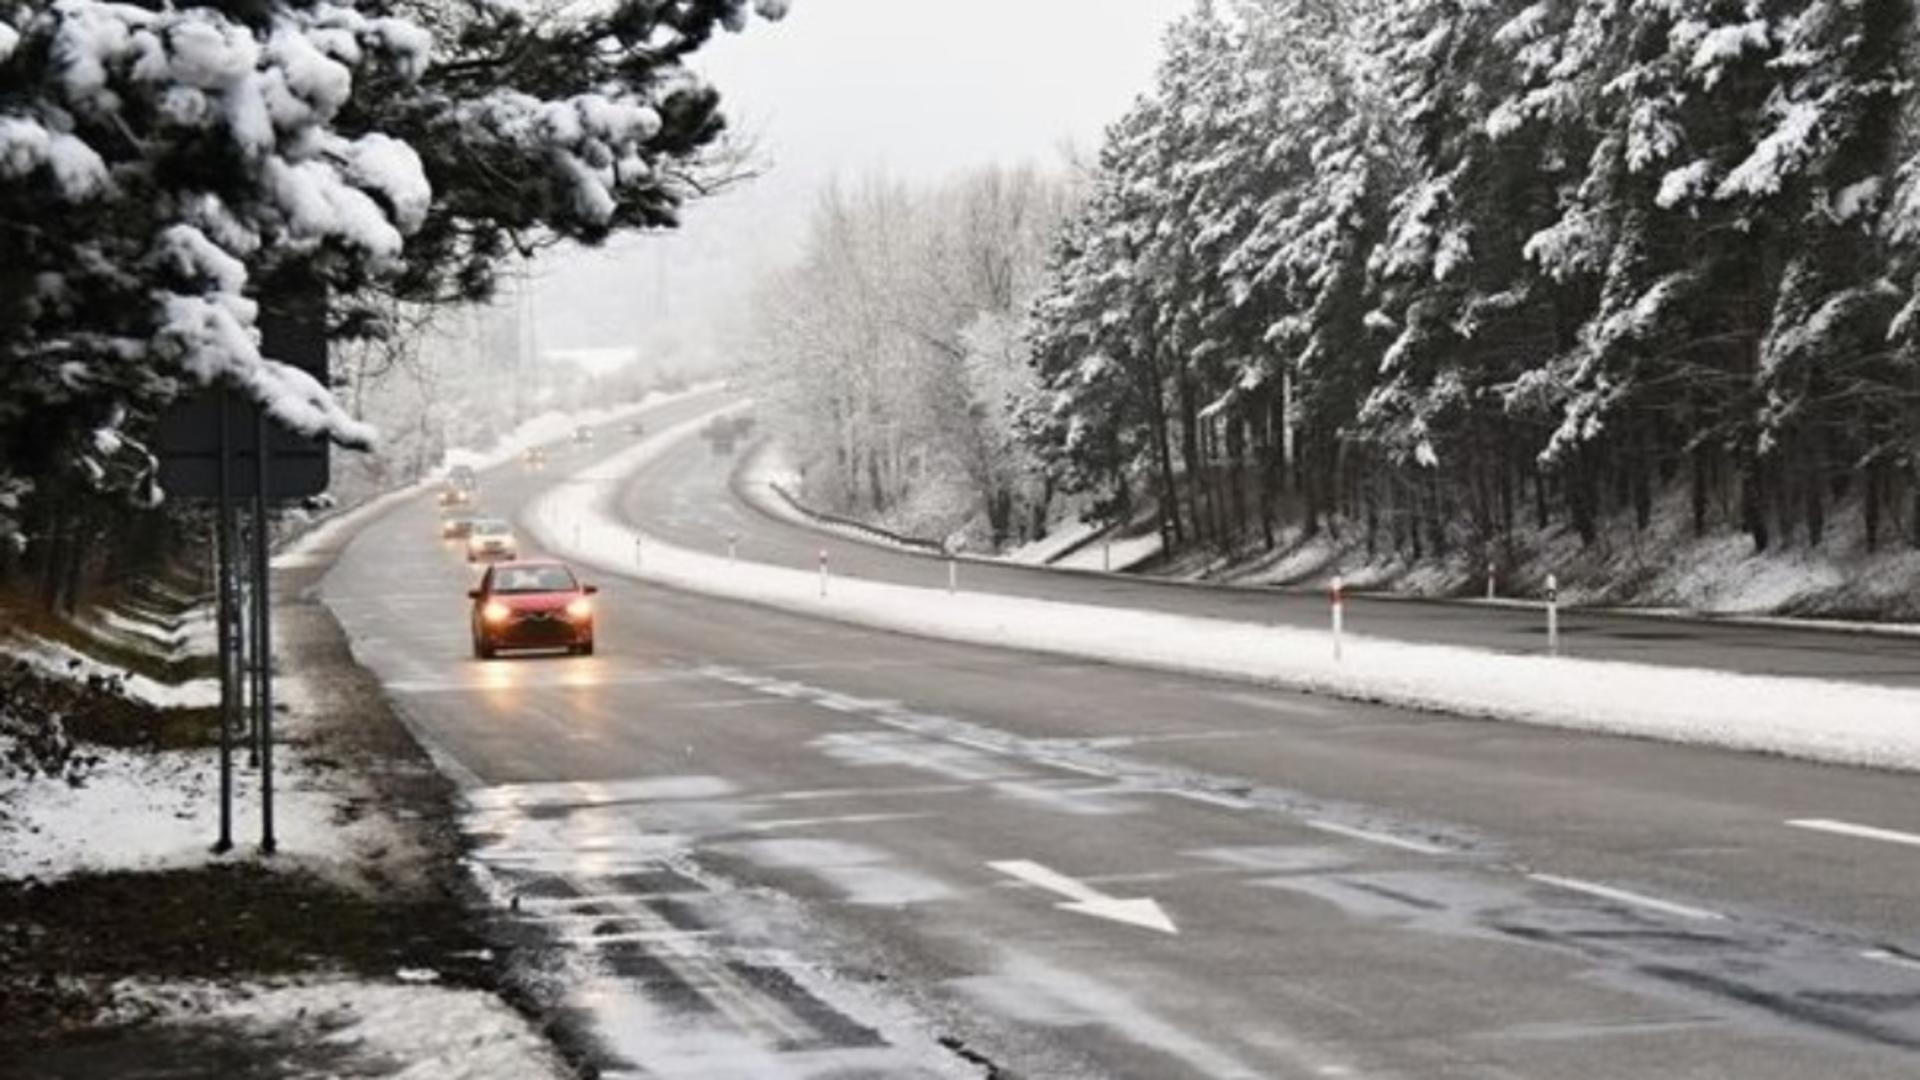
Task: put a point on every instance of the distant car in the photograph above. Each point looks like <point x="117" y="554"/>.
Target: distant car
<point x="535" y="458"/>
<point x="491" y="538"/>
<point x="453" y="495"/>
<point x="463" y="476"/>
<point x="583" y="434"/>
<point x="532" y="605"/>
<point x="457" y="525"/>
<point x="636" y="427"/>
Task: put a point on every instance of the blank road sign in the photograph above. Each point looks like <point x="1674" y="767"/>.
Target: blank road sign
<point x="292" y="331"/>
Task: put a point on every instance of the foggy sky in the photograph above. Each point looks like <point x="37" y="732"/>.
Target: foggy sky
<point x="914" y="89"/>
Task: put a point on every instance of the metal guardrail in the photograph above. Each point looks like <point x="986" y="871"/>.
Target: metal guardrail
<point x="933" y="546"/>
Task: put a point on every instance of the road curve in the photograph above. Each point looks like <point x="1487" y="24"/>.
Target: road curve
<point x="778" y="846"/>
<point x="691" y="501"/>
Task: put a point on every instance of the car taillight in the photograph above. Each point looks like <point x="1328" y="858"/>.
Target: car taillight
<point x="496" y="612"/>
<point x="580" y="610"/>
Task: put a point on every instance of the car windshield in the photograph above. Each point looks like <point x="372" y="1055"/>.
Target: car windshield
<point x="492" y="528"/>
<point x="533" y="579"/>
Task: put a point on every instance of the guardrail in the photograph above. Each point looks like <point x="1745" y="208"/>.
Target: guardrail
<point x="837" y="521"/>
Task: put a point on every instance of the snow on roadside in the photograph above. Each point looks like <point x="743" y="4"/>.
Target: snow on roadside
<point x="192" y="632"/>
<point x="1051" y="547"/>
<point x="309" y="547"/>
<point x="138" y="811"/>
<point x="411" y="1030"/>
<point x="1126" y="553"/>
<point x="1807" y="718"/>
<point x="62" y="662"/>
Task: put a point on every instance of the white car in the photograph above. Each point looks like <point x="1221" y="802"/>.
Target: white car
<point x="491" y="539"/>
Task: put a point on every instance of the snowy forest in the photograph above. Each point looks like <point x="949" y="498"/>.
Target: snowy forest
<point x="1428" y="274"/>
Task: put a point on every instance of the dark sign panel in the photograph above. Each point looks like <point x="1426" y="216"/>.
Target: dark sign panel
<point x="292" y="331"/>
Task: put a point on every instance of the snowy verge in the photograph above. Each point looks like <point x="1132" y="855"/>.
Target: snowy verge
<point x="1803" y="718"/>
<point x="409" y="1029"/>
<point x="160" y="811"/>
<point x="311" y="546"/>
<point x="767" y="481"/>
<point x="63" y="662"/>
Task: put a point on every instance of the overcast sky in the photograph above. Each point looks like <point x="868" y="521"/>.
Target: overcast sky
<point x="916" y="89"/>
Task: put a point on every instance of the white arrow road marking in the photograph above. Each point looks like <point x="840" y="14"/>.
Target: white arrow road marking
<point x="1864" y="832"/>
<point x="1086" y="900"/>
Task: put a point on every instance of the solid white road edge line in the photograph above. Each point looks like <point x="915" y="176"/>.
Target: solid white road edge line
<point x="1863" y="832"/>
<point x="1352" y="833"/>
<point x="1608" y="892"/>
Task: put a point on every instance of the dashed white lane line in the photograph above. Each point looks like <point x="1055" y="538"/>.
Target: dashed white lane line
<point x="1863" y="832"/>
<point x="1383" y="839"/>
<point x="1608" y="892"/>
<point x="1069" y="766"/>
<point x="818" y="822"/>
<point x="1210" y="798"/>
<point x="1899" y="960"/>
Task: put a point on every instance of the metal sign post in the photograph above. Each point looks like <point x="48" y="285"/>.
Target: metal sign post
<point x="223" y="626"/>
<point x="263" y="631"/>
<point x="217" y="445"/>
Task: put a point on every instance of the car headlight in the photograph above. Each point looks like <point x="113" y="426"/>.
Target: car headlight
<point x="496" y="612"/>
<point x="580" y="610"/>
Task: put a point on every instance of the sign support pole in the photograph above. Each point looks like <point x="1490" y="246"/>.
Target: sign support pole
<point x="224" y="623"/>
<point x="263" y="629"/>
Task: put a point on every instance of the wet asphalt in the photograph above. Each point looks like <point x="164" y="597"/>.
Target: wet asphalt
<point x="777" y="846"/>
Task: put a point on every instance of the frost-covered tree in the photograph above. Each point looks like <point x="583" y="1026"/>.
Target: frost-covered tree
<point x="1481" y="261"/>
<point x="894" y="347"/>
<point x="167" y="170"/>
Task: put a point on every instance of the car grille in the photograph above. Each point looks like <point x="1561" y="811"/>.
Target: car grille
<point x="540" y="627"/>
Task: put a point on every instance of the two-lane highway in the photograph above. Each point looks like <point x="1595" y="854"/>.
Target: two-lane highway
<point x="690" y="501"/>
<point x="775" y="846"/>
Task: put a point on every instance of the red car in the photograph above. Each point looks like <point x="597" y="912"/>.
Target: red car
<point x="532" y="605"/>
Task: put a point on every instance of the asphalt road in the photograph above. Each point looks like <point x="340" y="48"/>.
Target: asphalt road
<point x="688" y="500"/>
<point x="784" y="847"/>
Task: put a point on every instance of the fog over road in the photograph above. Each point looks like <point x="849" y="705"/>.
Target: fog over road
<point x="777" y="846"/>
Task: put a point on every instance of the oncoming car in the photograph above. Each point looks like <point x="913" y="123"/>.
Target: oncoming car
<point x="583" y="434"/>
<point x="491" y="538"/>
<point x="534" y="458"/>
<point x="532" y="605"/>
<point x="457" y="525"/>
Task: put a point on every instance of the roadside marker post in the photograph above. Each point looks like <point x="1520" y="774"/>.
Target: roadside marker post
<point x="953" y="575"/>
<point x="639" y="551"/>
<point x="823" y="573"/>
<point x="733" y="547"/>
<point x="1339" y="618"/>
<point x="1553" y="615"/>
<point x="1106" y="556"/>
<point x="1492" y="592"/>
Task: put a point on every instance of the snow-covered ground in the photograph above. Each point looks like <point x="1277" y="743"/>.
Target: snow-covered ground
<point x="1123" y="554"/>
<point x="1050" y="547"/>
<point x="407" y="1029"/>
<point x="62" y="662"/>
<point x="1661" y="567"/>
<point x="160" y="811"/>
<point x="1813" y="719"/>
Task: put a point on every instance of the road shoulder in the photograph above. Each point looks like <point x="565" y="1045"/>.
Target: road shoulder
<point x="361" y="949"/>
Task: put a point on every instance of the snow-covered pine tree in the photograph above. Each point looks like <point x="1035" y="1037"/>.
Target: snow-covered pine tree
<point x="159" y="165"/>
